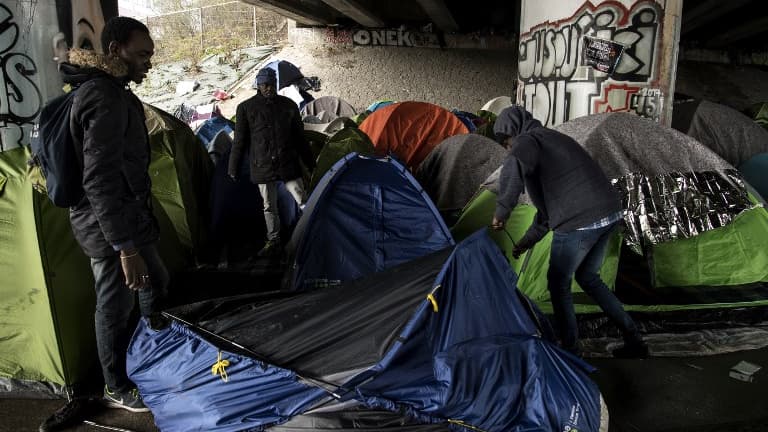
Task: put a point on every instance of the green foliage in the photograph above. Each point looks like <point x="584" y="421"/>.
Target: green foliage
<point x="189" y="31"/>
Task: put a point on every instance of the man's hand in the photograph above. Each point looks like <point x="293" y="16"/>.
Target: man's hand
<point x="233" y="178"/>
<point x="134" y="269"/>
<point x="517" y="251"/>
<point x="497" y="224"/>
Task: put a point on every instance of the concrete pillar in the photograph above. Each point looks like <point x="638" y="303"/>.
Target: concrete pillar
<point x="556" y="86"/>
<point x="31" y="41"/>
<point x="28" y="73"/>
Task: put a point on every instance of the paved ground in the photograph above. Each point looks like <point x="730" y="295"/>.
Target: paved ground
<point x="657" y="394"/>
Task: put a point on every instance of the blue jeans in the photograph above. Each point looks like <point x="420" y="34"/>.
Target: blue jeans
<point x="114" y="304"/>
<point x="582" y="252"/>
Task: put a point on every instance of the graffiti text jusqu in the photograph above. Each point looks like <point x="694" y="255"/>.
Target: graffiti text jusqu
<point x="556" y="87"/>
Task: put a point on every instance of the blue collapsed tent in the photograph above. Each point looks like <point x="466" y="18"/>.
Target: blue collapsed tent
<point x="365" y="215"/>
<point x="445" y="338"/>
<point x="211" y="127"/>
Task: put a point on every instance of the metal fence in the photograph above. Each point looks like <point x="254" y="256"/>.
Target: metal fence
<point x="190" y="34"/>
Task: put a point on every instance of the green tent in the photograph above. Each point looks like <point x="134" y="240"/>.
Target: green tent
<point x="486" y="129"/>
<point x="347" y="140"/>
<point x="532" y="266"/>
<point x="47" y="299"/>
<point x="691" y="222"/>
<point x="46" y="288"/>
<point x="181" y="177"/>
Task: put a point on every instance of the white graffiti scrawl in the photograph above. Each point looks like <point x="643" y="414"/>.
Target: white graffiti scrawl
<point x="556" y="87"/>
<point x="20" y="99"/>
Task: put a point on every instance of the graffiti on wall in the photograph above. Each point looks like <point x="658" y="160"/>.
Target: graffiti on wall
<point x="556" y="87"/>
<point x="20" y="98"/>
<point x="395" y="37"/>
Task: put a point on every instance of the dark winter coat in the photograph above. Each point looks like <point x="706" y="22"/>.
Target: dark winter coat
<point x="567" y="186"/>
<point x="107" y="124"/>
<point x="272" y="133"/>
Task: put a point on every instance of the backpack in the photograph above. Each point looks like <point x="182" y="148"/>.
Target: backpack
<point x="55" y="152"/>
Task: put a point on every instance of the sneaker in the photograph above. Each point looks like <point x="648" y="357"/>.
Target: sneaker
<point x="271" y="248"/>
<point x="128" y="400"/>
<point x="70" y="414"/>
<point x="637" y="350"/>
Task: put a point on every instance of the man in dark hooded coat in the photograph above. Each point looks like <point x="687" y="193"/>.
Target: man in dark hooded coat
<point x="270" y="130"/>
<point x="575" y="200"/>
<point x="114" y="223"/>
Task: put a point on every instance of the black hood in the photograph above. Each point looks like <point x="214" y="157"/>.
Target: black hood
<point x="513" y="121"/>
<point x="76" y="75"/>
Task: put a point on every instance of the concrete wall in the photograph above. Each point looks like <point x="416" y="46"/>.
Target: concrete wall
<point x="28" y="75"/>
<point x="361" y="74"/>
<point x="556" y="86"/>
<point x="30" y="43"/>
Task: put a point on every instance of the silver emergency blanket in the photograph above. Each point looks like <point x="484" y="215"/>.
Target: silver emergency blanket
<point x="679" y="205"/>
<point x="673" y="186"/>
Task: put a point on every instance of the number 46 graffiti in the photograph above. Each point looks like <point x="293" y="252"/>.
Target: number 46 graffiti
<point x="647" y="103"/>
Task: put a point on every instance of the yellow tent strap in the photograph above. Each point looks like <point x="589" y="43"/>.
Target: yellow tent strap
<point x="468" y="426"/>
<point x="432" y="299"/>
<point x="219" y="368"/>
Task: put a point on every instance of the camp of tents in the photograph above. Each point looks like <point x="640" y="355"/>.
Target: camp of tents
<point x="46" y="286"/>
<point x="398" y="305"/>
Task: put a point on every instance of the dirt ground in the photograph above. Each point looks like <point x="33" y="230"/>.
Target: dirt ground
<point x="465" y="79"/>
<point x="461" y="79"/>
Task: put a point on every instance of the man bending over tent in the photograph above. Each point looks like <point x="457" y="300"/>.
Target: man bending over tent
<point x="574" y="199"/>
<point x="269" y="127"/>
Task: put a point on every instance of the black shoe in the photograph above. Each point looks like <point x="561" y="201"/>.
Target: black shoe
<point x="69" y="415"/>
<point x="636" y="350"/>
<point x="129" y="400"/>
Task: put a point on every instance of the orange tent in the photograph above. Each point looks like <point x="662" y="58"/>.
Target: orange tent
<point x="410" y="130"/>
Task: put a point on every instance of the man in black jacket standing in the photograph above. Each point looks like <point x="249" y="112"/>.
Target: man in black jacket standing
<point x="575" y="200"/>
<point x="114" y="223"/>
<point x="269" y="127"/>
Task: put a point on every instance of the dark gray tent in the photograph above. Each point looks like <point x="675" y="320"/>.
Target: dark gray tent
<point x="328" y="108"/>
<point x="455" y="169"/>
<point x="727" y="132"/>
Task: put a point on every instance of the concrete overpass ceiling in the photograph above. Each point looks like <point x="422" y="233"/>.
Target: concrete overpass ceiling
<point x="308" y="12"/>
<point x="356" y="11"/>
<point x="448" y="16"/>
<point x="732" y="25"/>
<point x="438" y="13"/>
